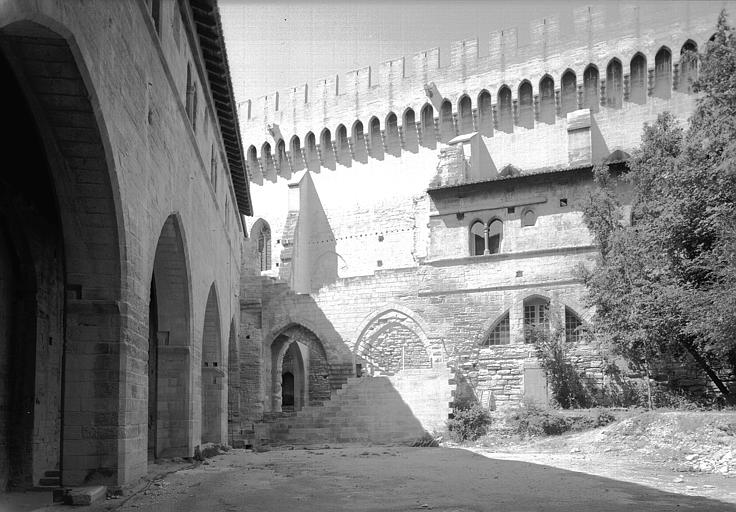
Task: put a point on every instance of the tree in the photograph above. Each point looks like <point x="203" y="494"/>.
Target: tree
<point x="666" y="279"/>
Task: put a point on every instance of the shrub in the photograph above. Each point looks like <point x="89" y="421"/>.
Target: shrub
<point x="533" y="421"/>
<point x="469" y="424"/>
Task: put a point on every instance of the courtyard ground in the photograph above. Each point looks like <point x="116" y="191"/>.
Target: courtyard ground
<point x="398" y="478"/>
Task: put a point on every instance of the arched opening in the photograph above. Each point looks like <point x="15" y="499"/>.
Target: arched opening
<point x="343" y="148"/>
<point x="310" y="149"/>
<point x="505" y="112"/>
<point x="299" y="352"/>
<point x="429" y="138"/>
<point x="261" y="233"/>
<point x="495" y="234"/>
<point x="168" y="347"/>
<point x="614" y="84"/>
<point x="485" y="113"/>
<point x="547" y="100"/>
<point x="688" y="66"/>
<point x="638" y="78"/>
<point x="282" y="163"/>
<point x="254" y="169"/>
<point x="447" y="125"/>
<point x="233" y="384"/>
<point x="269" y="171"/>
<point x="296" y="153"/>
<point x="60" y="272"/>
<point x="465" y="108"/>
<point x="500" y="333"/>
<point x="213" y="373"/>
<point x="526" y="105"/>
<point x="325" y="146"/>
<point x="376" y="141"/>
<point x="569" y="99"/>
<point x="393" y="143"/>
<point x="663" y="73"/>
<point x="409" y="123"/>
<point x="359" y="145"/>
<point x="590" y="88"/>
<point x="477" y="239"/>
<point x="528" y="218"/>
<point x="391" y="343"/>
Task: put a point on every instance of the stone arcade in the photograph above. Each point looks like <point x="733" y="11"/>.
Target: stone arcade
<point x="410" y="226"/>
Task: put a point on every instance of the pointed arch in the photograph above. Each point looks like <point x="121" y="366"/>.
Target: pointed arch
<point x="447" y="124"/>
<point x="409" y="124"/>
<point x="295" y="147"/>
<point x="393" y="144"/>
<point x="376" y="141"/>
<point x="505" y="112"/>
<point x="526" y="105"/>
<point x="688" y="66"/>
<point x="267" y="160"/>
<point x="591" y="98"/>
<point x="428" y="133"/>
<point x="547" y="100"/>
<point x="342" y="146"/>
<point x="485" y="113"/>
<point x="663" y="73"/>
<point x="261" y="234"/>
<point x="465" y="111"/>
<point x="233" y="383"/>
<point x="614" y="84"/>
<point x="310" y="148"/>
<point x="213" y="376"/>
<point x="500" y="331"/>
<point x="359" y="144"/>
<point x="282" y="162"/>
<point x="638" y="79"/>
<point x="569" y="93"/>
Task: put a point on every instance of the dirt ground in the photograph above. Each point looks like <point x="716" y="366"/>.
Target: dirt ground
<point x="398" y="478"/>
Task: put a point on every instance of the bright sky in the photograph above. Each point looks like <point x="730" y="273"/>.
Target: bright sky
<point x="279" y="44"/>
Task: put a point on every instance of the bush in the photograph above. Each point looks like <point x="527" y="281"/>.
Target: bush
<point x="469" y="424"/>
<point x="533" y="421"/>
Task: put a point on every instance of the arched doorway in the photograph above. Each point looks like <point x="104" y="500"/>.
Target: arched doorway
<point x="299" y="352"/>
<point x="213" y="374"/>
<point x="60" y="268"/>
<point x="169" y="347"/>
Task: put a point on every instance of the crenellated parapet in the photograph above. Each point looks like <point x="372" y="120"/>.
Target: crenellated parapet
<point x="614" y="57"/>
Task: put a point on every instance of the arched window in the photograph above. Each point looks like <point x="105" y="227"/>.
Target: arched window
<point x="569" y="98"/>
<point x="663" y="73"/>
<point x="310" y="147"/>
<point x="500" y="333"/>
<point x="427" y="116"/>
<point x="495" y="234"/>
<point x="573" y="326"/>
<point x="392" y="134"/>
<point x="477" y="238"/>
<point x="590" y="88"/>
<point x="638" y="89"/>
<point x="614" y="84"/>
<point x="536" y="317"/>
<point x="547" y="100"/>
<point x="447" y="128"/>
<point x="528" y="218"/>
<point x="505" y="114"/>
<point x="341" y="141"/>
<point x="262" y="235"/>
<point x="465" y="107"/>
<point x="485" y="113"/>
<point x="526" y="105"/>
<point x="688" y="66"/>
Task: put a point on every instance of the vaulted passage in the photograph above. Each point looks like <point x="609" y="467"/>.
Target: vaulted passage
<point x="169" y="347"/>
<point x="300" y="371"/>
<point x="59" y="271"/>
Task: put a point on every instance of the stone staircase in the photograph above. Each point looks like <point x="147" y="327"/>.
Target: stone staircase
<point x="380" y="410"/>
